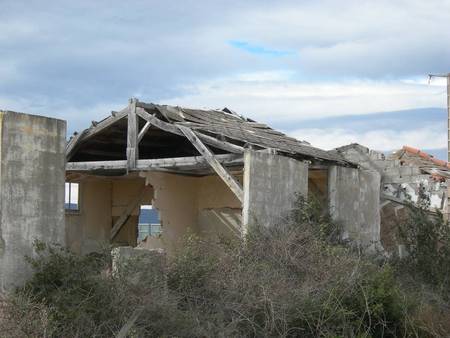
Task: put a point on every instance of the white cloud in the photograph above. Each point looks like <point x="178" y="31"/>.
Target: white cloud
<point x="78" y="118"/>
<point x="383" y="140"/>
<point x="80" y="59"/>
<point x="271" y="100"/>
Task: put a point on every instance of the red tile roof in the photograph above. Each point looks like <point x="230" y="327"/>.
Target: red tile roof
<point x="426" y="156"/>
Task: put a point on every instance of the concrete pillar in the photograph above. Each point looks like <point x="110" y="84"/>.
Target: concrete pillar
<point x="32" y="174"/>
<point x="271" y="186"/>
<point x="354" y="200"/>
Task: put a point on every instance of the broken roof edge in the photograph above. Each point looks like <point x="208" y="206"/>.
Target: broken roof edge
<point x="222" y="124"/>
<point x="426" y="156"/>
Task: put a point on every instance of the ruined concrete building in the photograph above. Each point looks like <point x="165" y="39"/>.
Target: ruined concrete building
<point x="402" y="175"/>
<point x="210" y="172"/>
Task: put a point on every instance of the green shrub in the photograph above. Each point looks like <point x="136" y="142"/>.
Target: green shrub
<point x="427" y="239"/>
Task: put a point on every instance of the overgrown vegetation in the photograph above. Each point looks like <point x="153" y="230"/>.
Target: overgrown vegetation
<point x="294" y="279"/>
<point x="427" y="239"/>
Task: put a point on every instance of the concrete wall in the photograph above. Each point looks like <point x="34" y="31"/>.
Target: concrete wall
<point x="354" y="201"/>
<point x="102" y="201"/>
<point x="400" y="181"/>
<point x="89" y="228"/>
<point x="203" y="205"/>
<point x="271" y="183"/>
<point x="31" y="188"/>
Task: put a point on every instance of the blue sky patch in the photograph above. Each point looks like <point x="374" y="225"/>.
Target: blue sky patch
<point x="257" y="49"/>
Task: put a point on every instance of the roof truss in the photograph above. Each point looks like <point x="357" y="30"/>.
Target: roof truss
<point x="225" y="131"/>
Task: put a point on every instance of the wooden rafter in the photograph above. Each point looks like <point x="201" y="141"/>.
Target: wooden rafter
<point x="223" y="173"/>
<point x="127" y="212"/>
<point x="232" y="148"/>
<point x="144" y="129"/>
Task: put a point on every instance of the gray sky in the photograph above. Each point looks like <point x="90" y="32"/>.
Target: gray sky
<point x="329" y="72"/>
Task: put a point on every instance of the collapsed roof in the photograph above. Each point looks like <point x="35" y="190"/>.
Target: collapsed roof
<point x="161" y="133"/>
<point x="439" y="169"/>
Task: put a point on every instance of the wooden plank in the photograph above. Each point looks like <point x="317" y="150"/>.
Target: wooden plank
<point x="105" y="123"/>
<point x="224" y="145"/>
<point x="96" y="165"/>
<point x="193" y="161"/>
<point x="227" y="146"/>
<point x="157" y="122"/>
<point x="132" y="135"/>
<point x="229" y="180"/>
<point x="144" y="105"/>
<point x="144" y="129"/>
<point x="127" y="212"/>
<point x="174" y="162"/>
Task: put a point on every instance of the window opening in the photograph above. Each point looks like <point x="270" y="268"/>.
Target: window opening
<point x="71" y="201"/>
<point x="149" y="222"/>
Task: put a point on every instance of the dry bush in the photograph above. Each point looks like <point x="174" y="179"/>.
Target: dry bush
<point x="293" y="279"/>
<point x="22" y="316"/>
<point x="288" y="280"/>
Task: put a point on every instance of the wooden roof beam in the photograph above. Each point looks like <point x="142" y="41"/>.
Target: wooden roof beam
<point x="132" y="135"/>
<point x="171" y="128"/>
<point x="152" y="164"/>
<point x="223" y="173"/>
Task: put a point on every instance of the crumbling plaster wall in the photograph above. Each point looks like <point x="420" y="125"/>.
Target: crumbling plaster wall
<point x="354" y="201"/>
<point x="398" y="184"/>
<point x="102" y="201"/>
<point x="397" y="180"/>
<point x="88" y="228"/>
<point x="271" y="186"/>
<point x="219" y="210"/>
<point x="124" y="191"/>
<point x="31" y="188"/>
<point x="191" y="203"/>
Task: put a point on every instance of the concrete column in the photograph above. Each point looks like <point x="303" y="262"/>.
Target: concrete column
<point x="354" y="200"/>
<point x="32" y="174"/>
<point x="271" y="186"/>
